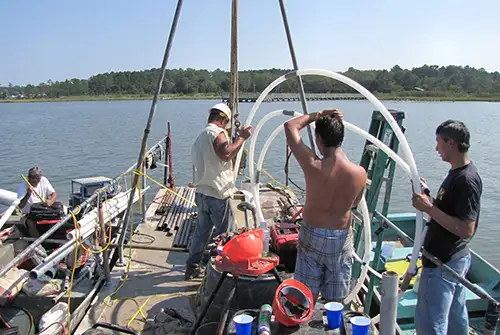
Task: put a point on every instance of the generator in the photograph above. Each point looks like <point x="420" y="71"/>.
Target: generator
<point x="284" y="242"/>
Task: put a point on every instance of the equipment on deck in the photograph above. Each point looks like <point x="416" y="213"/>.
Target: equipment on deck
<point x="83" y="188"/>
<point x="40" y="211"/>
<point x="240" y="256"/>
<point x="284" y="242"/>
<point x="244" y="207"/>
<point x="243" y="247"/>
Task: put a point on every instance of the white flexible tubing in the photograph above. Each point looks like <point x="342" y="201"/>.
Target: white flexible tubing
<point x="366" y="256"/>
<point x="256" y="181"/>
<point x="255" y="135"/>
<point x="364" y="134"/>
<point x="251" y="163"/>
<point x="419" y="232"/>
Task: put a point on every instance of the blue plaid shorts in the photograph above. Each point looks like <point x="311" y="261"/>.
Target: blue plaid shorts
<point x="324" y="261"/>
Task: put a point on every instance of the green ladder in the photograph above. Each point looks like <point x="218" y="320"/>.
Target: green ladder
<point x="380" y="172"/>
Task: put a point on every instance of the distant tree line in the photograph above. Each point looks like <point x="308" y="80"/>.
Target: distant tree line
<point x="427" y="80"/>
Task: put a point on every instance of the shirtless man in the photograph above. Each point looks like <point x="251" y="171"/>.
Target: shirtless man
<point x="334" y="185"/>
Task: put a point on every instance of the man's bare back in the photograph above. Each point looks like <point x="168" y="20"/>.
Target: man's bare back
<point x="334" y="185"/>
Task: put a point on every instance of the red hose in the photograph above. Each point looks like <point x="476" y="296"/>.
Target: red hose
<point x="296" y="215"/>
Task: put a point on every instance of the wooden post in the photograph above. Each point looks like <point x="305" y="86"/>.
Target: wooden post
<point x="233" y="85"/>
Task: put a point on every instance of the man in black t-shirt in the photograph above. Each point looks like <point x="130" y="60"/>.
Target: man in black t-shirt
<point x="454" y="216"/>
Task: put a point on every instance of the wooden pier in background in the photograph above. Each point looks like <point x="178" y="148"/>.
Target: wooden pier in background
<point x="274" y="97"/>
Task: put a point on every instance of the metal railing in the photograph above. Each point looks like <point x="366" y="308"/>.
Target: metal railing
<point x="75" y="210"/>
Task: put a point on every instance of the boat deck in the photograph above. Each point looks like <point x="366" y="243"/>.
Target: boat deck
<point x="153" y="275"/>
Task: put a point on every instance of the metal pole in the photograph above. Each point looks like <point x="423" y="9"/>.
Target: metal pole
<point x="149" y="247"/>
<point x="296" y="67"/>
<point x="105" y="256"/>
<point x="171" y="182"/>
<point x="143" y="198"/>
<point x="30" y="239"/>
<point x="148" y="126"/>
<point x="165" y="167"/>
<point x="389" y="303"/>
<point x="287" y="163"/>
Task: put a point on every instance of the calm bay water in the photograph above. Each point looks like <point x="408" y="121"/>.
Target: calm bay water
<point x="79" y="139"/>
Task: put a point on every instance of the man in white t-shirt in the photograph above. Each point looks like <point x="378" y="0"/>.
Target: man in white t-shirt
<point x="28" y="195"/>
<point x="212" y="155"/>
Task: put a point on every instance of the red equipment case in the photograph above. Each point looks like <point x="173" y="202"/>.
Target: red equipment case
<point x="284" y="241"/>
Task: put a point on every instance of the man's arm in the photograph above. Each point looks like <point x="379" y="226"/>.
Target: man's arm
<point x="303" y="154"/>
<point x="362" y="180"/>
<point x="51" y="199"/>
<point x="226" y="151"/>
<point x="461" y="228"/>
<point x="49" y="189"/>
<point x="467" y="209"/>
<point x="25" y="198"/>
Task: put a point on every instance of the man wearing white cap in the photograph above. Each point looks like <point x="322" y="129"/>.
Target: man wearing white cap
<point x="212" y="155"/>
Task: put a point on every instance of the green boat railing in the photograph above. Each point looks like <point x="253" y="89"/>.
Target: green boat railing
<point x="492" y="315"/>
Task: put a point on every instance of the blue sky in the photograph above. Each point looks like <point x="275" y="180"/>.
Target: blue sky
<point x="58" y="39"/>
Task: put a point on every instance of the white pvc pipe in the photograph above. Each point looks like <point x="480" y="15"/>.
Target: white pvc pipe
<point x="406" y="151"/>
<point x="389" y="303"/>
<point x="52" y="260"/>
<point x="113" y="206"/>
<point x="7" y="197"/>
<point x="6" y="215"/>
<point x="368" y="247"/>
<point x="253" y="139"/>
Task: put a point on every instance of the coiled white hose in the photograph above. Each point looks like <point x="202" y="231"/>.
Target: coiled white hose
<point x="406" y="151"/>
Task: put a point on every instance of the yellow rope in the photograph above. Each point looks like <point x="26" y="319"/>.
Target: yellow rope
<point x="78" y="236"/>
<point x="140" y="309"/>
<point x="36" y="193"/>
<point x="165" y="187"/>
<point x="275" y="180"/>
